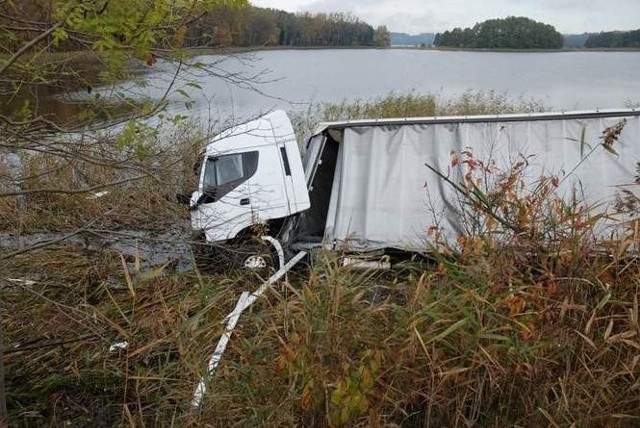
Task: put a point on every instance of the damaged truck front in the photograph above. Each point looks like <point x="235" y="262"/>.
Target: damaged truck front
<point x="251" y="180"/>
<point x="376" y="185"/>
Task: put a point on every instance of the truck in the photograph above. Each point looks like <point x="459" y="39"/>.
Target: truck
<point x="371" y="186"/>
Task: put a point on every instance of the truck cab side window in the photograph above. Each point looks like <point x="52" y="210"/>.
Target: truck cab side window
<point x="224" y="173"/>
<point x="223" y="169"/>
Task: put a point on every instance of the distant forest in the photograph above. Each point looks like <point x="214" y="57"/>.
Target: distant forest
<point x="508" y="33"/>
<point x="253" y="26"/>
<point x="225" y="27"/>
<point x="614" y="39"/>
<point x="610" y="39"/>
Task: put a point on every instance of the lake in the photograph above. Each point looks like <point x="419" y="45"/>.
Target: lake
<point x="291" y="79"/>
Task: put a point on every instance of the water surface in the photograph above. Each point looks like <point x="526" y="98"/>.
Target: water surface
<point x="291" y="79"/>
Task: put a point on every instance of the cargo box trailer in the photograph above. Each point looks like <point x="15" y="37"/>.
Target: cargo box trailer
<point x="375" y="185"/>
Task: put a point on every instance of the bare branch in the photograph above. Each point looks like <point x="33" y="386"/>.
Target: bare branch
<point x="71" y="192"/>
<point x="28" y="46"/>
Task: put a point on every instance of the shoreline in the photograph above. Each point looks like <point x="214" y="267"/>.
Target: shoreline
<point x="249" y="49"/>
<point x="89" y="57"/>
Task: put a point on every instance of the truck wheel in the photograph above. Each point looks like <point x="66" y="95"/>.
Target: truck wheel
<point x="248" y="253"/>
<point x="256" y="261"/>
<point x="256" y="255"/>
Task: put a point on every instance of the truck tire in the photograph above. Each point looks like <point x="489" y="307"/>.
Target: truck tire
<point x="254" y="254"/>
<point x="248" y="253"/>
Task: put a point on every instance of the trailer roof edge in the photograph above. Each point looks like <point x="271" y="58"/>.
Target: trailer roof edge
<point x="475" y="119"/>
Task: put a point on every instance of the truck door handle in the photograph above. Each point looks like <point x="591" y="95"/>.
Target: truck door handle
<point x="244" y="201"/>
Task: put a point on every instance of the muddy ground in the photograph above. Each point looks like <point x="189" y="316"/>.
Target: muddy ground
<point x="146" y="250"/>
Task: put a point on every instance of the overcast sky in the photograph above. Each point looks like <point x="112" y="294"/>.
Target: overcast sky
<point x="418" y="16"/>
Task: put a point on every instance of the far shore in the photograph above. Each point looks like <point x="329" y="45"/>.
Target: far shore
<point x="89" y="57"/>
<point x="247" y="49"/>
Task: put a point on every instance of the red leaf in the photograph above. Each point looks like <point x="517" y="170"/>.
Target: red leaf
<point x="151" y="59"/>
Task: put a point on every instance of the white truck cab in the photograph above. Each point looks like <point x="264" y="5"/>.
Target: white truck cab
<point x="250" y="174"/>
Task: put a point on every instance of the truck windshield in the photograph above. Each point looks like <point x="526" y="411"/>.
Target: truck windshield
<point x="229" y="169"/>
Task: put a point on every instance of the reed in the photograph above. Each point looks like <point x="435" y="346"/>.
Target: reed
<point x="526" y="320"/>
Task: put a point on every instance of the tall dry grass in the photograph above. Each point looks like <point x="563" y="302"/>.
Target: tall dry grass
<point x="476" y="341"/>
<point x="523" y="321"/>
<point x="519" y="323"/>
<point x="458" y="346"/>
<point x="413" y="104"/>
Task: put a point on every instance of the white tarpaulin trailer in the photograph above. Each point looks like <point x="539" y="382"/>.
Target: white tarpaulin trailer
<point x="370" y="188"/>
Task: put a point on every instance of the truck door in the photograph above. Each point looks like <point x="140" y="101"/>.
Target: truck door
<point x="224" y="204"/>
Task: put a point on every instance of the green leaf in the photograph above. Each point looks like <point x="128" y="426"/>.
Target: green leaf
<point x="59" y="35"/>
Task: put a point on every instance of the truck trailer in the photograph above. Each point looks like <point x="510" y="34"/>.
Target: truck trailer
<point x="376" y="185"/>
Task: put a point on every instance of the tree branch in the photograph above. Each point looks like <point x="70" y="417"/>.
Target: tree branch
<point x="28" y="46"/>
<point x="70" y="192"/>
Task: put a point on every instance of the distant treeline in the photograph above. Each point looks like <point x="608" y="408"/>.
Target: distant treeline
<point x="219" y="26"/>
<point x="508" y="33"/>
<point x="614" y="39"/>
<point x="253" y="26"/>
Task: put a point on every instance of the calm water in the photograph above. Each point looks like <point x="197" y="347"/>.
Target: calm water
<point x="292" y="79"/>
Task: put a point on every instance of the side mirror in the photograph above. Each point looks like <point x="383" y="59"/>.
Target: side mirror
<point x="207" y="197"/>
